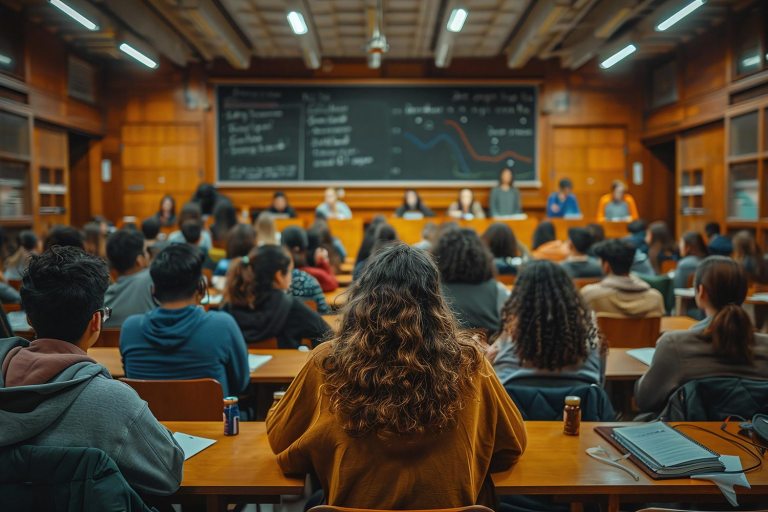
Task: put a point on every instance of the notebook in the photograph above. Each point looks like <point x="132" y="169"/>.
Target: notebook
<point x="256" y="361"/>
<point x="644" y="355"/>
<point x="192" y="445"/>
<point x="661" y="451"/>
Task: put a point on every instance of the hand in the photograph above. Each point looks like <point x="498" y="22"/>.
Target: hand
<point x="321" y="255"/>
<point x="492" y="351"/>
<point x="555" y="208"/>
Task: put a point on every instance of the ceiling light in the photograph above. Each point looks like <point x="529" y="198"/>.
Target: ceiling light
<point x="5" y="60"/>
<point x="296" y="20"/>
<point x="682" y="13"/>
<point x="69" y="11"/>
<point x="748" y="62"/>
<point x="457" y="19"/>
<point x="136" y="54"/>
<point x="618" y="56"/>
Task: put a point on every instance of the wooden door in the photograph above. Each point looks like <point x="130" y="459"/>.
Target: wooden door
<point x="51" y="177"/>
<point x="702" y="151"/>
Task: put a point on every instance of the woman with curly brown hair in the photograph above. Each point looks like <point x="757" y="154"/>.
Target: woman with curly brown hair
<point x="393" y="412"/>
<point x="547" y="329"/>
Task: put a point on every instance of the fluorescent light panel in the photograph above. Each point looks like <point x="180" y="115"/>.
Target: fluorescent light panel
<point x="618" y="56"/>
<point x="5" y="60"/>
<point x="298" y="25"/>
<point x="136" y="54"/>
<point x="456" y="19"/>
<point x="751" y="61"/>
<point x="682" y="13"/>
<point x="69" y="11"/>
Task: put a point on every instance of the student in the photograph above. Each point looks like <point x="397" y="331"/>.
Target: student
<point x="748" y="254"/>
<point x="724" y="344"/>
<point x="619" y="293"/>
<point x="319" y="235"/>
<point x="208" y="198"/>
<point x="579" y="263"/>
<point x="545" y="244"/>
<point x="256" y="298"/>
<point x="637" y="231"/>
<point x="166" y="213"/>
<point x="384" y="235"/>
<point x="428" y="236"/>
<point x="69" y="399"/>
<point x="266" y="231"/>
<point x="466" y="207"/>
<point x="501" y="241"/>
<point x="179" y="339"/>
<point x="349" y="401"/>
<point x="532" y="345"/>
<point x="131" y="293"/>
<point x="563" y="203"/>
<point x="280" y="206"/>
<point x="692" y="251"/>
<point x="94" y="241"/>
<point x="505" y="197"/>
<point x="369" y="238"/>
<point x="332" y="207"/>
<point x="8" y="294"/>
<point x="192" y="234"/>
<point x="466" y="268"/>
<point x="295" y="240"/>
<point x="307" y="288"/>
<point x="717" y="244"/>
<point x="191" y="212"/>
<point x="240" y="240"/>
<point x="412" y="207"/>
<point x="64" y="236"/>
<point x="27" y="246"/>
<point x="618" y="205"/>
<point x="661" y="245"/>
<point x="224" y="219"/>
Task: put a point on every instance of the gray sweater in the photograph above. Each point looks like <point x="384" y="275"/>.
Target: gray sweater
<point x="505" y="202"/>
<point x="129" y="295"/>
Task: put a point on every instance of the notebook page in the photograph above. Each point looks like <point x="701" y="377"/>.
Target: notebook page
<point x="664" y="444"/>
<point x="192" y="445"/>
<point x="644" y="355"/>
<point x="256" y="361"/>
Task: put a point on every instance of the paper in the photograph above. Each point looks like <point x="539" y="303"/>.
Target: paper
<point x="213" y="300"/>
<point x="726" y="481"/>
<point x="759" y="297"/>
<point x="256" y="361"/>
<point x="192" y="445"/>
<point x="18" y="321"/>
<point x="644" y="355"/>
<point x="686" y="293"/>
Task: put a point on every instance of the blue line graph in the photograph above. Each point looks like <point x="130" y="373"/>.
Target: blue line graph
<point x="431" y="143"/>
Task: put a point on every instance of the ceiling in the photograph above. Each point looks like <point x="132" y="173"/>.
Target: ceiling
<point x="185" y="31"/>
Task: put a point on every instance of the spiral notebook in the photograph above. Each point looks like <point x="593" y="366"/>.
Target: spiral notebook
<point x="661" y="451"/>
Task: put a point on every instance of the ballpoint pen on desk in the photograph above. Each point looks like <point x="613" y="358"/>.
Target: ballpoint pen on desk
<point x="600" y="453"/>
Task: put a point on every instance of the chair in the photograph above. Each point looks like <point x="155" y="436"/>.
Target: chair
<point x="264" y="344"/>
<point x="15" y="284"/>
<point x="542" y="398"/>
<point x="507" y="279"/>
<point x="181" y="400"/>
<point x="109" y="337"/>
<point x="10" y="308"/>
<point x="581" y="282"/>
<point x="716" y="398"/>
<point x="668" y="266"/>
<point x="329" y="508"/>
<point x="622" y="332"/>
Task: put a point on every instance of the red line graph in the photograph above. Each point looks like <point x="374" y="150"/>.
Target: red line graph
<point x="485" y="158"/>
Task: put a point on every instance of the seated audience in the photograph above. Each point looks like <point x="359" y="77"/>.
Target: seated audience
<point x="193" y="234"/>
<point x="154" y="241"/>
<point x="349" y="401"/>
<point x="637" y="231"/>
<point x="27" y="246"/>
<point x="501" y="241"/>
<point x="266" y="231"/>
<point x="412" y="207"/>
<point x="466" y="268"/>
<point x="466" y="207"/>
<point x="64" y="236"/>
<point x="692" y="251"/>
<point x="208" y="198"/>
<point x="191" y="212"/>
<point x="383" y="235"/>
<point x="179" y="339"/>
<point x="620" y="293"/>
<point x="280" y="206"/>
<point x="505" y="197"/>
<point x="319" y="235"/>
<point x="618" y="205"/>
<point x="131" y="293"/>
<point x="579" y="263"/>
<point x="53" y="394"/>
<point x="532" y="345"/>
<point x="724" y="344"/>
<point x="748" y="254"/>
<point x="563" y="203"/>
<point x="333" y="207"/>
<point x="545" y="244"/>
<point x="240" y="240"/>
<point x="717" y="244"/>
<point x="295" y="240"/>
<point x="256" y="298"/>
<point x="166" y="214"/>
<point x="224" y="219"/>
<point x="661" y="245"/>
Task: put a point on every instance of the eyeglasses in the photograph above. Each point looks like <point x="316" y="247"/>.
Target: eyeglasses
<point x="106" y="313"/>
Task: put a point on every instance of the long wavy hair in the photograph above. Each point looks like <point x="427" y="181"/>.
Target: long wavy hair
<point x="547" y="319"/>
<point x="462" y="257"/>
<point x="399" y="364"/>
<point x="250" y="278"/>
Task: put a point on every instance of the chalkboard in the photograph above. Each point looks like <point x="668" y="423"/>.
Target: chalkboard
<point x="269" y="134"/>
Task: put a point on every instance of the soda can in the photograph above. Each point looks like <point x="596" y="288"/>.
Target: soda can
<point x="231" y="416"/>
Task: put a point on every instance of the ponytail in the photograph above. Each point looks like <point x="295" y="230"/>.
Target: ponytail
<point x="732" y="334"/>
<point x="239" y="283"/>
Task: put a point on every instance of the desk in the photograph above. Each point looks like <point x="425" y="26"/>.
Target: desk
<point x="349" y="232"/>
<point x="676" y="323"/>
<point x="337" y="298"/>
<point x="344" y="280"/>
<point x="557" y="465"/>
<point x="240" y="466"/>
<point x="620" y="366"/>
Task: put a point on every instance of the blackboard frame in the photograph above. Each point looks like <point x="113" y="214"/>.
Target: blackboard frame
<point x="389" y="184"/>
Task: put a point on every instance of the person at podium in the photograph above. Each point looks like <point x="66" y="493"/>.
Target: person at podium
<point x="333" y="207"/>
<point x="466" y="207"/>
<point x="563" y="203"/>
<point x="618" y="205"/>
<point x="505" y="197"/>
<point x="280" y="207"/>
<point x="413" y="208"/>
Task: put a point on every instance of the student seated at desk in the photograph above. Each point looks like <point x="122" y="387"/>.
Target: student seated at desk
<point x="531" y="344"/>
<point x="27" y="245"/>
<point x="180" y="340"/>
<point x="384" y="234"/>
<point x="296" y="241"/>
<point x="717" y="244"/>
<point x="748" y="254"/>
<point x="166" y="212"/>
<point x="131" y="293"/>
<point x="465" y="207"/>
<point x="579" y="264"/>
<point x="508" y="256"/>
<point x="428" y="236"/>
<point x="412" y="207"/>
<point x="280" y="206"/>
<point x="692" y="251"/>
<point x="724" y="344"/>
<point x="191" y="212"/>
<point x="53" y="395"/>
<point x="637" y="235"/>
<point x="620" y="293"/>
<point x="546" y="246"/>
<point x="427" y="444"/>
<point x="64" y="236"/>
<point x="505" y="197"/>
<point x="333" y="207"/>
<point x="257" y="298"/>
<point x="618" y="205"/>
<point x="208" y="199"/>
<point x="266" y="230"/>
<point x="224" y="219"/>
<point x="240" y="240"/>
<point x="563" y="203"/>
<point x="319" y="236"/>
<point x="661" y="245"/>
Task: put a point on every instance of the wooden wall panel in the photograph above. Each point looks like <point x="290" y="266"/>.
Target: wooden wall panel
<point x="704" y="148"/>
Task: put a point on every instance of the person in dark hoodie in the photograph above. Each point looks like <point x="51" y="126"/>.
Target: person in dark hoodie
<point x="258" y="299"/>
<point x="180" y="340"/>
<point x="53" y="394"/>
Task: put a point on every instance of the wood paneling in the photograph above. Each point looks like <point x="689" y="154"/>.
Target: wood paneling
<point x="52" y="157"/>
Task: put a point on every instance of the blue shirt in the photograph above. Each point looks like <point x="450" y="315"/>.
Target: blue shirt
<point x="568" y="206"/>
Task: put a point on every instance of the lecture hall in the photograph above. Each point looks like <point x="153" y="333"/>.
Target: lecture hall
<point x="383" y="255"/>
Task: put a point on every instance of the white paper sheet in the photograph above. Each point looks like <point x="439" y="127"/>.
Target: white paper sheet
<point x="644" y="355"/>
<point x="726" y="481"/>
<point x="256" y="361"/>
<point x="192" y="445"/>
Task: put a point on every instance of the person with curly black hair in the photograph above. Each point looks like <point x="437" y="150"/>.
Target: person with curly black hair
<point x="466" y="269"/>
<point x="547" y="329"/>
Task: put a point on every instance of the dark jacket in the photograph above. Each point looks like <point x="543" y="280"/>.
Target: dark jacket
<point x="289" y="211"/>
<point x="477" y="306"/>
<point x="280" y="316"/>
<point x="716" y="398"/>
<point x="720" y="245"/>
<point x="544" y="401"/>
<point x="422" y="209"/>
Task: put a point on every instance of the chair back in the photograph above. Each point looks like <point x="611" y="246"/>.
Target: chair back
<point x="507" y="279"/>
<point x="264" y="344"/>
<point x="542" y="399"/>
<point x="329" y="508"/>
<point x="581" y="282"/>
<point x="622" y="332"/>
<point x="109" y="337"/>
<point x="716" y="398"/>
<point x="181" y="400"/>
<point x="15" y="284"/>
<point x="667" y="266"/>
<point x="10" y="308"/>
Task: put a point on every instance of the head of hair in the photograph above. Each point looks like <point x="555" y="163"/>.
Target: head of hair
<point x="27" y="239"/>
<point x="462" y="257"/>
<point x="26" y="242"/>
<point x="296" y="241"/>
<point x="749" y="255"/>
<point x="224" y="217"/>
<point x="565" y="184"/>
<point x="581" y="239"/>
<point x="266" y="231"/>
<point x="366" y="246"/>
<point x="711" y="229"/>
<point x="61" y="290"/>
<point x="547" y="319"/>
<point x="190" y="211"/>
<point x="637" y="226"/>
<point x="206" y="196"/>
<point x="94" y="239"/>
<point x="177" y="272"/>
<point x="511" y="173"/>
<point x="173" y="205"/>
<point x="250" y="280"/>
<point x="279" y="193"/>
<point x="192" y="230"/>
<point x="501" y="240"/>
<point x="429" y="231"/>
<point x="319" y="235"/>
<point x="64" y="236"/>
<point x="730" y="331"/>
<point x="150" y="228"/>
<point x="240" y="240"/>
<point x="405" y="199"/>
<point x="123" y="248"/>
<point x="597" y="231"/>
<point x="399" y="364"/>
<point x="660" y="236"/>
<point x="385" y="235"/>
<point x="618" y="254"/>
<point x="544" y="232"/>
<point x="616" y="184"/>
<point x="694" y="244"/>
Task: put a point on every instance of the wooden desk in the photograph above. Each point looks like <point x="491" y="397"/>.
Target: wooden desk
<point x="281" y="223"/>
<point x="676" y="323"/>
<point x="344" y="280"/>
<point x="619" y="366"/>
<point x="557" y="465"/>
<point x="409" y="231"/>
<point x="240" y="466"/>
<point x="333" y="321"/>
<point x="337" y="298"/>
<point x="349" y="232"/>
